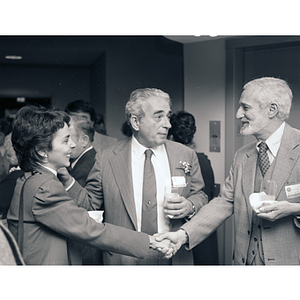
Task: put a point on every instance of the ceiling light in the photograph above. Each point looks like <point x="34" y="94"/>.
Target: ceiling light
<point x="13" y="57"/>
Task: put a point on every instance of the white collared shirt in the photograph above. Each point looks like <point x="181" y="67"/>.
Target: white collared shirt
<point x="273" y="142"/>
<point x="50" y="169"/>
<point x="161" y="167"/>
<point x="55" y="173"/>
<point x="75" y="161"/>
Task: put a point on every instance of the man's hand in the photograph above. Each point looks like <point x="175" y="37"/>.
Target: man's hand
<point x="64" y="177"/>
<point x="177" y="238"/>
<point x="163" y="246"/>
<point x="278" y="210"/>
<point x="178" y="208"/>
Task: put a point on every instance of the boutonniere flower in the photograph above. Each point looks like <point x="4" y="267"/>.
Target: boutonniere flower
<point x="185" y="166"/>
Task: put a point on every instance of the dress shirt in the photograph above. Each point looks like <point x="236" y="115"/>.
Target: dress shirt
<point x="273" y="142"/>
<point x="161" y="167"/>
<point x="50" y="169"/>
<point x="55" y="173"/>
<point x="75" y="161"/>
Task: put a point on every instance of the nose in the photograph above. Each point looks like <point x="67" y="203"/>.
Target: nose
<point x="72" y="144"/>
<point x="240" y="113"/>
<point x="167" y="123"/>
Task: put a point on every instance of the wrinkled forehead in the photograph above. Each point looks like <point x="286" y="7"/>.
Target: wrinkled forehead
<point x="156" y="103"/>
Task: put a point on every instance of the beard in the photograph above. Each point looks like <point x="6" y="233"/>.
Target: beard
<point x="255" y="126"/>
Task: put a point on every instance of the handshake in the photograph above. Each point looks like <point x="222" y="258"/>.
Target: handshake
<point x="168" y="243"/>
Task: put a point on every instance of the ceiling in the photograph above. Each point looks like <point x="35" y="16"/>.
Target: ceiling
<point x="186" y="39"/>
<point x="50" y="50"/>
<point x="63" y="50"/>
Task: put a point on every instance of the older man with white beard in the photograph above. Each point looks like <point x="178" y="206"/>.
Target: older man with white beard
<point x="269" y="235"/>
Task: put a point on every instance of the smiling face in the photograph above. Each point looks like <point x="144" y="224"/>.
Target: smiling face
<point x="62" y="145"/>
<point x="254" y="118"/>
<point x="151" y="130"/>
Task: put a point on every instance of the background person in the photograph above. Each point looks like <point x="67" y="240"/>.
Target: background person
<point x="7" y="185"/>
<point x="182" y="131"/>
<point x="41" y="139"/>
<point x="85" y="109"/>
<point x="81" y="162"/>
<point x="83" y="154"/>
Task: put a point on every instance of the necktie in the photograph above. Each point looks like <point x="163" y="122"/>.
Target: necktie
<point x="263" y="159"/>
<point x="149" y="207"/>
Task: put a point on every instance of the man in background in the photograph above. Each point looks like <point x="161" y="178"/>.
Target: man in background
<point x="81" y="162"/>
<point x="83" y="155"/>
<point x="84" y="109"/>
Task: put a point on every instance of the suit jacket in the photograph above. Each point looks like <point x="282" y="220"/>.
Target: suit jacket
<point x="102" y="141"/>
<point x="51" y="218"/>
<point x="110" y="185"/>
<point x="83" y="166"/>
<point x="280" y="239"/>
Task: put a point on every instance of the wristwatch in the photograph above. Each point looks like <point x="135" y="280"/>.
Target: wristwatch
<point x="193" y="212"/>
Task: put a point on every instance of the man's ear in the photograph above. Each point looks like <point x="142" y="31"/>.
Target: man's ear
<point x="273" y="110"/>
<point x="135" y="123"/>
<point x="85" y="140"/>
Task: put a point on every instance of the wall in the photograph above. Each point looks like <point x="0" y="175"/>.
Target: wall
<point x="139" y="62"/>
<point x="124" y="64"/>
<point x="204" y="97"/>
<point x="62" y="84"/>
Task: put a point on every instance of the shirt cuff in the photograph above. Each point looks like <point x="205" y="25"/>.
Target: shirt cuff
<point x="73" y="181"/>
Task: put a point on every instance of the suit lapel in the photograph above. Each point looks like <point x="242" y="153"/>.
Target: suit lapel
<point x="121" y="166"/>
<point x="248" y="178"/>
<point x="175" y="169"/>
<point x="286" y="159"/>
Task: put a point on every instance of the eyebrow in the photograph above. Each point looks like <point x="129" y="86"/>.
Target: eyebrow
<point x="159" y="112"/>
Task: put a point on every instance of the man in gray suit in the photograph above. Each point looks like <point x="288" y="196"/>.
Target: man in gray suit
<point x="130" y="186"/>
<point x="270" y="236"/>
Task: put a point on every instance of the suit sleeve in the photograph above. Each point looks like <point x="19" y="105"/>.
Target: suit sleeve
<point x="55" y="209"/>
<point x="212" y="215"/>
<point x="91" y="196"/>
<point x="196" y="192"/>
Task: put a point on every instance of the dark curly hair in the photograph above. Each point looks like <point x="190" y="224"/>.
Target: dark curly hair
<point x="183" y="127"/>
<point x="33" y="130"/>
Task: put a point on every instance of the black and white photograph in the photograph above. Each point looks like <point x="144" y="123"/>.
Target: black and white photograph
<point x="149" y="153"/>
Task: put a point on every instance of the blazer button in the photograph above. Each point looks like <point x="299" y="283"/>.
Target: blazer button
<point x="248" y="232"/>
<point x="149" y="202"/>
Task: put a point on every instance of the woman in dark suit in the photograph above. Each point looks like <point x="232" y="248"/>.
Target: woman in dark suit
<point x="182" y="131"/>
<point x="51" y="219"/>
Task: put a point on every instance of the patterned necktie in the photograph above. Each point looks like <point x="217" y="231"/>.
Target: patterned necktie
<point x="149" y="207"/>
<point x="263" y="159"/>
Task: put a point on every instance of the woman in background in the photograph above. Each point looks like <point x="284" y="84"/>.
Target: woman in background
<point x="7" y="185"/>
<point x="182" y="131"/>
<point x="51" y="219"/>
